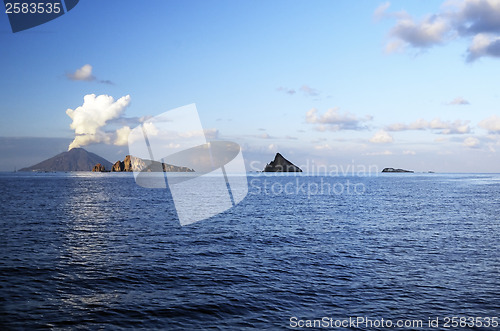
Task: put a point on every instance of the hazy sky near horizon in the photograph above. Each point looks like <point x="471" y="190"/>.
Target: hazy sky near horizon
<point x="412" y="84"/>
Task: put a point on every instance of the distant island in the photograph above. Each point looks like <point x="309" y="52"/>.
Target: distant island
<point x="396" y="170"/>
<point x="132" y="163"/>
<point x="76" y="159"/>
<point x="79" y="159"/>
<point x="280" y="164"/>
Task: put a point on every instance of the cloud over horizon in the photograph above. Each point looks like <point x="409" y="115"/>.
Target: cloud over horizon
<point x="491" y="124"/>
<point x="381" y="137"/>
<point x="471" y="142"/>
<point x="436" y="126"/>
<point x="333" y="120"/>
<point x="122" y="136"/>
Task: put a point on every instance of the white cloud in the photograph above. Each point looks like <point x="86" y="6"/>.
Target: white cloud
<point x="172" y="145"/>
<point x="431" y="31"/>
<point x="386" y="152"/>
<point x="381" y="11"/>
<point x="211" y="133"/>
<point x="409" y="153"/>
<point x="456" y="127"/>
<point x="394" y="46"/>
<point x="150" y="129"/>
<point x="436" y="125"/>
<point x="92" y="116"/>
<point x="492" y="124"/>
<point x="272" y="147"/>
<point x="483" y="45"/>
<point x="323" y="147"/>
<point x="381" y="137"/>
<point x="479" y="19"/>
<point x="459" y="101"/>
<point x="471" y="17"/>
<point x="471" y="142"/>
<point x="333" y="120"/>
<point x="309" y="91"/>
<point x="122" y="136"/>
<point x="83" y="73"/>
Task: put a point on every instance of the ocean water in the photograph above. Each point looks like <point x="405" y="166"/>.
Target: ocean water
<point x="87" y="250"/>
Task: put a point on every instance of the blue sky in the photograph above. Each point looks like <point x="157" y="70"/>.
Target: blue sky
<point x="409" y="84"/>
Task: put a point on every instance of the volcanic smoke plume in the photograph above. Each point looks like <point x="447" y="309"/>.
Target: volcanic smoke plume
<point x="90" y="118"/>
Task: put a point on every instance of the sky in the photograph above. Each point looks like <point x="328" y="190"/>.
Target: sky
<point x="404" y="84"/>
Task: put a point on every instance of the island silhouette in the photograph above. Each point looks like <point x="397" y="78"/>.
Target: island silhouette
<point x="79" y="159"/>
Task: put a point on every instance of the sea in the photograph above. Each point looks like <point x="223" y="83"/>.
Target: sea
<point x="415" y="251"/>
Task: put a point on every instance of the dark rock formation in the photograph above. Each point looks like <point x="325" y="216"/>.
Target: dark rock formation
<point x="77" y="159"/>
<point x="396" y="170"/>
<point x="280" y="164"/>
<point x="99" y="168"/>
<point x="125" y="165"/>
<point x="118" y="166"/>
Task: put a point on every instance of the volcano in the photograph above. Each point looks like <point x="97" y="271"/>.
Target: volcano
<point x="76" y="159"/>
